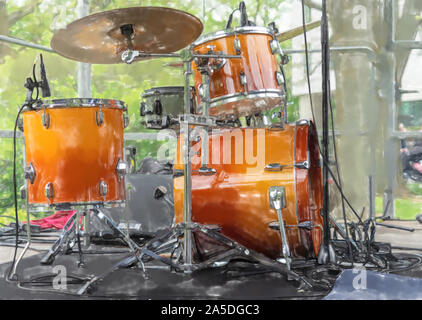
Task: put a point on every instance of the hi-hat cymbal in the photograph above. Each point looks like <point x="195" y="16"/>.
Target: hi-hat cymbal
<point x="99" y="38"/>
<point x="287" y="35"/>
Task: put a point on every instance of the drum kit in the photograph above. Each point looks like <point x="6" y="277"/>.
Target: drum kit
<point x="265" y="212"/>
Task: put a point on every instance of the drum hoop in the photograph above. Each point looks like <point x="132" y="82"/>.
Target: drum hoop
<point x="251" y="94"/>
<point x="170" y="90"/>
<point x="42" y="207"/>
<point x="230" y="32"/>
<point x="80" y="103"/>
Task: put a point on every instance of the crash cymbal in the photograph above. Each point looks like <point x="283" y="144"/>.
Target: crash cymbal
<point x="283" y="36"/>
<point x="99" y="38"/>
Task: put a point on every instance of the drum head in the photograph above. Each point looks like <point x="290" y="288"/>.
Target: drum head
<point x="81" y="103"/>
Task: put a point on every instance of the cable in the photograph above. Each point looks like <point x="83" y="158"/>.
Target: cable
<point x="325" y="161"/>
<point x="326" y="45"/>
<point x="15" y="187"/>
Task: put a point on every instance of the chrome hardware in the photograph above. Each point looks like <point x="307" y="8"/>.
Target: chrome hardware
<point x="279" y="78"/>
<point x="142" y="109"/>
<point x="20" y="124"/>
<point x="99" y="118"/>
<point x="306" y="225"/>
<point x="205" y="171"/>
<point x="201" y="90"/>
<point x="103" y="188"/>
<point x="266" y="120"/>
<point x="274" y="46"/>
<point x="126" y="121"/>
<point x="243" y="81"/>
<point x="303" y="165"/>
<point x="129" y="56"/>
<point x="237" y="46"/>
<point x="198" y="120"/>
<point x="49" y="191"/>
<point x="277" y="198"/>
<point x="29" y="173"/>
<point x="303" y="122"/>
<point x="278" y="201"/>
<point x="218" y="64"/>
<point x="274" y="167"/>
<point x="121" y="168"/>
<point x="45" y="120"/>
<point x="284" y="59"/>
<point x="273" y="27"/>
<point x="23" y="192"/>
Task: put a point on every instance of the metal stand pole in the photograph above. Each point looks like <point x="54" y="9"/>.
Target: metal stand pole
<point x="326" y="253"/>
<point x="84" y="69"/>
<point x="205" y="113"/>
<point x="187" y="173"/>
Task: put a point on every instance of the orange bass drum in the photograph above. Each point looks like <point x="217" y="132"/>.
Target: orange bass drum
<point x="236" y="198"/>
<point x="245" y="86"/>
<point x="74" y="153"/>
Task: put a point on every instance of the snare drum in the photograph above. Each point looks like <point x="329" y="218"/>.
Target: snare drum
<point x="74" y="153"/>
<point x="163" y="105"/>
<point x="246" y="86"/>
<point x="236" y="198"/>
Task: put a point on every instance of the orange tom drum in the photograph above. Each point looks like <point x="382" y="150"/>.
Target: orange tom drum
<point x="246" y="86"/>
<point x="236" y="198"/>
<point x="74" y="152"/>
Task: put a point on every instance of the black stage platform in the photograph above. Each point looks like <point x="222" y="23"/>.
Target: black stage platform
<point x="237" y="281"/>
<point x="157" y="284"/>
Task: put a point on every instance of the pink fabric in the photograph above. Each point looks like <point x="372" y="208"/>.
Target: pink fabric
<point x="55" y="221"/>
<point x="417" y="166"/>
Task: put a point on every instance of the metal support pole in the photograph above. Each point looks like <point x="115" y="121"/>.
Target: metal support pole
<point x="187" y="173"/>
<point x="372" y="192"/>
<point x="205" y="113"/>
<point x="84" y="69"/>
<point x="25" y="43"/>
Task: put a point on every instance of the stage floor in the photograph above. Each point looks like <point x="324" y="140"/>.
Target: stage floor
<point x="162" y="284"/>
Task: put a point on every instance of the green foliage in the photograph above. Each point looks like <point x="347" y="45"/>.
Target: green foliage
<point x="406" y="209"/>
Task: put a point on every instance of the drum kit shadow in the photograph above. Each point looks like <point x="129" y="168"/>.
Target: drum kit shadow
<point x="268" y="212"/>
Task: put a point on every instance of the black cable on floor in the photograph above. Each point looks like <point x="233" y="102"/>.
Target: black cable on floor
<point x="15" y="184"/>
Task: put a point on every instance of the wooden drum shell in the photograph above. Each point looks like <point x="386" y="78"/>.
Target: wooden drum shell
<point x="75" y="155"/>
<point x="257" y="63"/>
<point x="237" y="197"/>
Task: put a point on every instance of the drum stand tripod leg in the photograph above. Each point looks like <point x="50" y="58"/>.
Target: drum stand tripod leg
<point x="131" y="244"/>
<point x="28" y="244"/>
<point x="79" y="214"/>
<point x="48" y="259"/>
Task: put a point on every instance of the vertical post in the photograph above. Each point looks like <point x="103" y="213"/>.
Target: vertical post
<point x="84" y="69"/>
<point x="203" y="12"/>
<point x="205" y="113"/>
<point x="326" y="253"/>
<point x="187" y="172"/>
<point x="371" y="198"/>
<point x="391" y="145"/>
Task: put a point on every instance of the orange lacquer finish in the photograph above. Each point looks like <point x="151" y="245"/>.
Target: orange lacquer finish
<point x="232" y="96"/>
<point x="236" y="198"/>
<point x="74" y="153"/>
